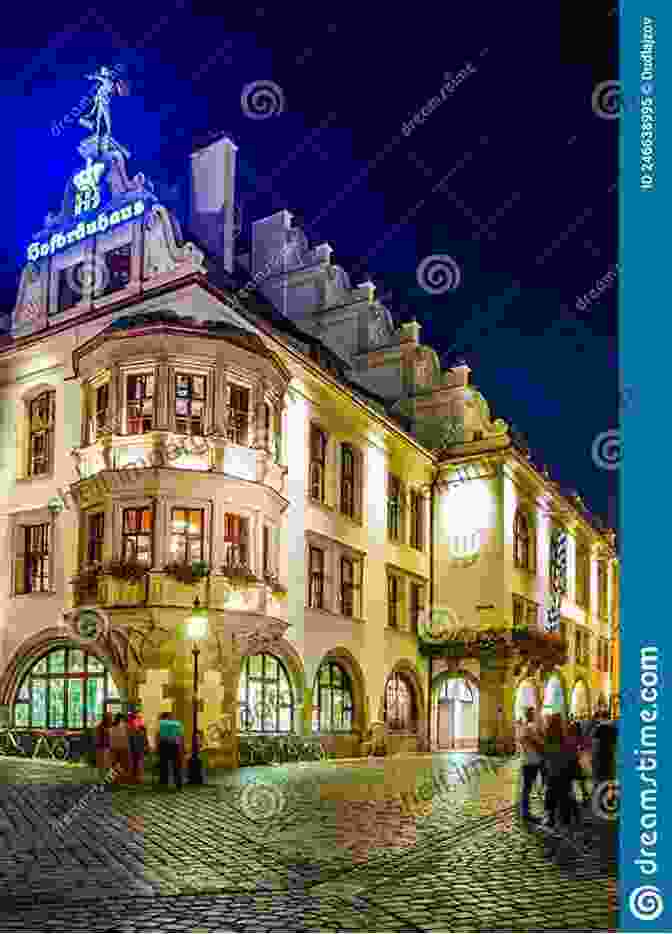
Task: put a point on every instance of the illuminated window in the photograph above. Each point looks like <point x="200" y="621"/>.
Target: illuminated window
<point x="67" y="688"/>
<point x="265" y="697"/>
<point x="582" y="578"/>
<point x="318" y="463"/>
<point x="523" y="550"/>
<point x="602" y="592"/>
<point x="139" y="403"/>
<point x="236" y="540"/>
<point x="394" y="507"/>
<point x="186" y="541"/>
<point x="417" y="520"/>
<point x="399" y="703"/>
<point x="96" y="528"/>
<point x="37" y="558"/>
<point x="316" y="579"/>
<point x="41" y="416"/>
<point x="332" y="700"/>
<point x="190" y="404"/>
<point x="137" y="535"/>
<point x="239" y="415"/>
<point x="118" y="266"/>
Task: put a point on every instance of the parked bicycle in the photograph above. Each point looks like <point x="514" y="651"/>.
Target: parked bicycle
<point x="48" y="745"/>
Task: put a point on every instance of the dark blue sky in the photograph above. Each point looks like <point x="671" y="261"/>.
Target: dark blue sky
<point x="525" y="154"/>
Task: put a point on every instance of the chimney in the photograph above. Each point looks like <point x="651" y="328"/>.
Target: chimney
<point x="211" y="218"/>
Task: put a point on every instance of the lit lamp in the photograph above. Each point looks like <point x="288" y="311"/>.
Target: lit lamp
<point x="197" y="628"/>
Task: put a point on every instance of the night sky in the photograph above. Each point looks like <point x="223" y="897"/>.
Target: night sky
<point x="514" y="176"/>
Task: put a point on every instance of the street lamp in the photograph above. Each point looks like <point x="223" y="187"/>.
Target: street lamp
<point x="197" y="628"/>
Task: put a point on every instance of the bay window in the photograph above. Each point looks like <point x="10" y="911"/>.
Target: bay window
<point x="239" y="415"/>
<point x="139" y="403"/>
<point x="236" y="539"/>
<point x="190" y="398"/>
<point x="186" y="541"/>
<point x="136" y="536"/>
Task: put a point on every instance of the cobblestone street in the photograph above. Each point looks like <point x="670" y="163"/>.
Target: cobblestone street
<point x="318" y="847"/>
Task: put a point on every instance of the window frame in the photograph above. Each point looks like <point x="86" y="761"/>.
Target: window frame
<point x="349" y="482"/>
<point x="417" y="510"/>
<point x="317" y="465"/>
<point x="188" y="538"/>
<point x="47" y="433"/>
<point x="394" y="584"/>
<point x="523" y="541"/>
<point x="394" y="508"/>
<point x="142" y="377"/>
<point x="238" y="424"/>
<point x="203" y="400"/>
<point x="245" y="675"/>
<point x="416" y="603"/>
<point x="314" y="576"/>
<point x="397" y="677"/>
<point x="92" y="539"/>
<point x="45" y="560"/>
<point x="319" y="689"/>
<point x="582" y="560"/>
<point x="128" y="536"/>
<point x="237" y="548"/>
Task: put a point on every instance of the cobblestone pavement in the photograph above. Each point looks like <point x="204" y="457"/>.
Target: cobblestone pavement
<point x="401" y="844"/>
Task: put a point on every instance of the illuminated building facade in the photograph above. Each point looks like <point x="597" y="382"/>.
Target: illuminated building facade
<point x="350" y="516"/>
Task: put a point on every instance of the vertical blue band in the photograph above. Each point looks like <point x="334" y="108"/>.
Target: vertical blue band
<point x="644" y="306"/>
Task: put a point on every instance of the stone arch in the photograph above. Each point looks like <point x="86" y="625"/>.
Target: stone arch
<point x="554" y="675"/>
<point x="29" y="651"/>
<point x="405" y="666"/>
<point x="349" y="663"/>
<point x="468" y="731"/>
<point x="285" y="652"/>
<point x="580" y="701"/>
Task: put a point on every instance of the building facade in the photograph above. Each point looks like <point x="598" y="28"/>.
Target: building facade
<point x="374" y="552"/>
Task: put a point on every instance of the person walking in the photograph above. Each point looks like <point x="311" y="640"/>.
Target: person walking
<point x="103" y="747"/>
<point x="531" y="746"/>
<point x="137" y="734"/>
<point x="120" y="747"/>
<point x="561" y="767"/>
<point x="170" y="742"/>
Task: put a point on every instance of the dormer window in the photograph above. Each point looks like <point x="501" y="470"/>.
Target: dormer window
<point x="139" y="403"/>
<point x="190" y="404"/>
<point x="239" y="415"/>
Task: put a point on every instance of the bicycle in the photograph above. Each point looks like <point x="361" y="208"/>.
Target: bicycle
<point x="58" y="748"/>
<point x="9" y="745"/>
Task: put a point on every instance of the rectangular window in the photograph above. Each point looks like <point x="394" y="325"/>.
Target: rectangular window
<point x="236" y="538"/>
<point x="531" y="615"/>
<point x="417" y="520"/>
<point x="100" y="415"/>
<point x="393" y="507"/>
<point x="393" y="600"/>
<point x="582" y="575"/>
<point x="186" y="535"/>
<point x="316" y="582"/>
<point x="348" y="480"/>
<point x="239" y="415"/>
<point x="190" y="404"/>
<point x="137" y="529"/>
<point x="602" y="590"/>
<point x="41" y="415"/>
<point x="139" y="403"/>
<point x="417" y="605"/>
<point x="118" y="263"/>
<point x="37" y="558"/>
<point x="318" y="463"/>
<point x="268" y="426"/>
<point x="71" y="286"/>
<point x="94" y="551"/>
<point x="347" y="587"/>
<point x="518" y="612"/>
<point x="266" y="548"/>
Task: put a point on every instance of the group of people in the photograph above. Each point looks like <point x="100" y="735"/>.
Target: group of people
<point x="122" y="742"/>
<point x="560" y="754"/>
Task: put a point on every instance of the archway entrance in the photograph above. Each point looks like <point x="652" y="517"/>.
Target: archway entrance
<point x="526" y="696"/>
<point x="580" y="706"/>
<point x="455" y="714"/>
<point x="554" y="697"/>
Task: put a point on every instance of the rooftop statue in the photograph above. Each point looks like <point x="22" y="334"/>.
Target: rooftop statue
<point x="109" y="83"/>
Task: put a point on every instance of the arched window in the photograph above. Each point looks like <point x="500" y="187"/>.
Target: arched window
<point x="399" y="703"/>
<point x="456" y="689"/>
<point x="332" y="699"/>
<point x="265" y="699"/>
<point x="67" y="688"/>
<point x="523" y="550"/>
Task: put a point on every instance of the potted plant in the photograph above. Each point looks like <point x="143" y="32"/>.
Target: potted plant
<point x="130" y="570"/>
<point x="188" y="573"/>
